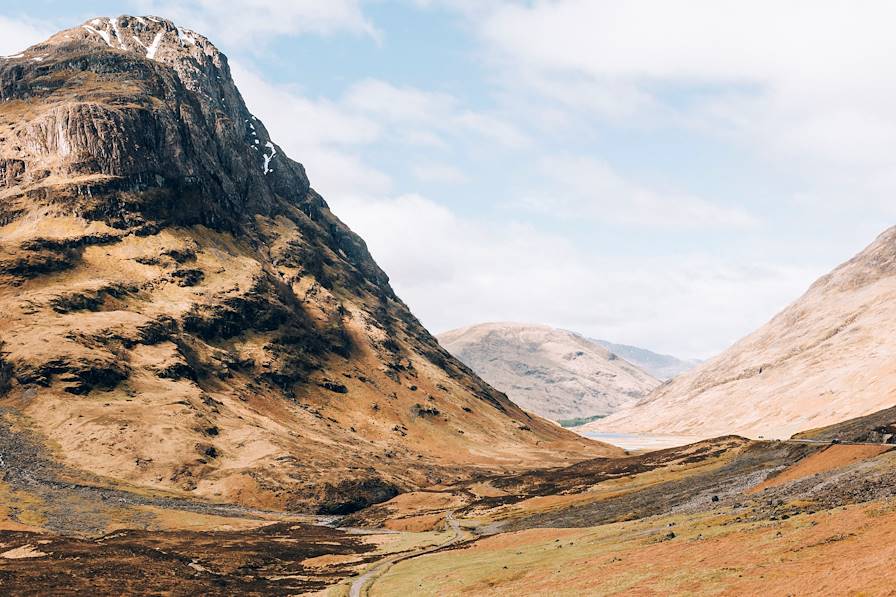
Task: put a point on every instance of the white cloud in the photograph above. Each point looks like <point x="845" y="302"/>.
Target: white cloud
<point x="321" y="134"/>
<point x="704" y="40"/>
<point x="304" y="120"/>
<point x="612" y="99"/>
<point x="330" y="136"/>
<point x="454" y="271"/>
<point x="584" y="187"/>
<point x="17" y="34"/>
<point x="253" y="22"/>
<point x="423" y="138"/>
<point x="496" y="129"/>
<point x="802" y="81"/>
<point x="440" y="173"/>
<point x="399" y="104"/>
<point x="432" y="115"/>
<point x="334" y="173"/>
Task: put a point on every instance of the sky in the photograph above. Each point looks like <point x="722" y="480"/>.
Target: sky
<point x="663" y="174"/>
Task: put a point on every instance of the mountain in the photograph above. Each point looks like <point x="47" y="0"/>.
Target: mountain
<point x="826" y="358"/>
<point x="661" y="366"/>
<point x="180" y="311"/>
<point x="554" y="373"/>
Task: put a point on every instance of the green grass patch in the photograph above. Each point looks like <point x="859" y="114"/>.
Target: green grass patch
<point x="579" y="421"/>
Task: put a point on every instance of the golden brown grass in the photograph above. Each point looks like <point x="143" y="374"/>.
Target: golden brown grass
<point x="839" y="552"/>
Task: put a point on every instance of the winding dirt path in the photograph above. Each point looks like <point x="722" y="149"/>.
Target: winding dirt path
<point x="361" y="585"/>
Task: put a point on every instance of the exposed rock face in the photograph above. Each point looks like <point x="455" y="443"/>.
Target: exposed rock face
<point x="554" y="373"/>
<point x="180" y="310"/>
<point x="826" y="358"/>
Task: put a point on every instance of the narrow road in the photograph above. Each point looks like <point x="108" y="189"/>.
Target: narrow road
<point x="362" y="584"/>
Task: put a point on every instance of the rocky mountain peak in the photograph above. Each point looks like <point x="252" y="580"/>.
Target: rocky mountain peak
<point x="129" y="104"/>
<point x="200" y="66"/>
<point x="152" y="37"/>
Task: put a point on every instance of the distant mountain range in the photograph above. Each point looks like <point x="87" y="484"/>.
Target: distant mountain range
<point x="661" y="366"/>
<point x="556" y="373"/>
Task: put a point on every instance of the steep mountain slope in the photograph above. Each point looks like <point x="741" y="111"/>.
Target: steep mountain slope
<point x="554" y="373"/>
<point x="179" y="309"/>
<point x="660" y="366"/>
<point x="826" y="358"/>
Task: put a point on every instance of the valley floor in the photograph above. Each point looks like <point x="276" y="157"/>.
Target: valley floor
<point x="843" y="551"/>
<point x="723" y="516"/>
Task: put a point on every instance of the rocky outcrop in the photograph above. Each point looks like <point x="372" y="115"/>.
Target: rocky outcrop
<point x="166" y="269"/>
<point x="170" y="140"/>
